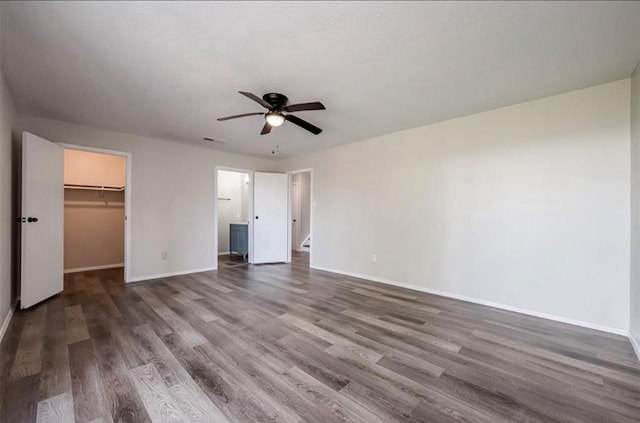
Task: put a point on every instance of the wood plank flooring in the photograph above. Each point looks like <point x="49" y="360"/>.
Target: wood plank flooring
<point x="283" y="343"/>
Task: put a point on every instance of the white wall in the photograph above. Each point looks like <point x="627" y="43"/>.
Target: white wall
<point x="7" y="117"/>
<point x="525" y="206"/>
<point x="635" y="210"/>
<point x="173" y="204"/>
<point x="231" y="186"/>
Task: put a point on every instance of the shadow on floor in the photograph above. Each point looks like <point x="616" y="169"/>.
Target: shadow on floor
<point x="231" y="260"/>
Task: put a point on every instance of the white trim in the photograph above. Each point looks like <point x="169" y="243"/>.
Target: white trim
<point x="7" y="320"/>
<point x="574" y="322"/>
<point x="127" y="198"/>
<point x="102" y="266"/>
<point x="224" y="253"/>
<point x="168" y="275"/>
<point x="634" y="343"/>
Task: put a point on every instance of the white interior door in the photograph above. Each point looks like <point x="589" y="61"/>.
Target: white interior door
<point x="42" y="220"/>
<point x="270" y="225"/>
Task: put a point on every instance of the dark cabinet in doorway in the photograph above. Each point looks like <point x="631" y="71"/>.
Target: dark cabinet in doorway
<point x="239" y="238"/>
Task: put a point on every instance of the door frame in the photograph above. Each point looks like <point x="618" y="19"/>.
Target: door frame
<point x="127" y="198"/>
<point x="290" y="173"/>
<point x="295" y="196"/>
<point x="249" y="208"/>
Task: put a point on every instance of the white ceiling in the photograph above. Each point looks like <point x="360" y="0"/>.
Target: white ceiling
<point x="168" y="70"/>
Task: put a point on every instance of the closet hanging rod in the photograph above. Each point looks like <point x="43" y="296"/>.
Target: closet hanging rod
<point x="94" y="204"/>
<point x="94" y="187"/>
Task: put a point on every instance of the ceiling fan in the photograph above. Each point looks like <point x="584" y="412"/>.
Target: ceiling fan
<point x="277" y="104"/>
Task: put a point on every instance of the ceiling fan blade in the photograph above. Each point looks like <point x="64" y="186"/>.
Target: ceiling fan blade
<point x="239" y="116"/>
<point x="266" y="129"/>
<point x="256" y="99"/>
<point x="303" y="124"/>
<point x="316" y="105"/>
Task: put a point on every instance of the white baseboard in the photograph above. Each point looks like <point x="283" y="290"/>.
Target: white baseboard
<point x="101" y="267"/>
<point x="574" y="322"/>
<point x="224" y="253"/>
<point x="7" y="320"/>
<point x="167" y="275"/>
<point x="635" y="343"/>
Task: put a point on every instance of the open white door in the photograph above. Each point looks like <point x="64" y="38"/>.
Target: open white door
<point x="270" y="226"/>
<point x="42" y="220"/>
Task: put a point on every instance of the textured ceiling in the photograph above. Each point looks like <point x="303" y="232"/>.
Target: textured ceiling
<point x="168" y="70"/>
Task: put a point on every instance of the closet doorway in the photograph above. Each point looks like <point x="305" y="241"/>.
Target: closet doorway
<point x="301" y="205"/>
<point x="96" y="209"/>
<point x="233" y="197"/>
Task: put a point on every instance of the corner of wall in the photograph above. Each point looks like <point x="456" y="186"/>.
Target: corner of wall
<point x="634" y="277"/>
<point x="8" y="182"/>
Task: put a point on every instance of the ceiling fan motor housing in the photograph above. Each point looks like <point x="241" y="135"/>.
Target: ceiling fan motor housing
<point x="276" y="100"/>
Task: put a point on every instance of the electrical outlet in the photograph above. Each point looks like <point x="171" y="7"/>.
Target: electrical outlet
<point x="374" y="258"/>
<point x="164" y="255"/>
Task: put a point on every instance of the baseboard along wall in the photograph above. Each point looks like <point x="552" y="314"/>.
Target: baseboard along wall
<point x="167" y="275"/>
<point x="7" y="320"/>
<point x="635" y="343"/>
<point x="100" y="267"/>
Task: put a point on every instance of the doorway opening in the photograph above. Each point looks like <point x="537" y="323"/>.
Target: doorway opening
<point x="95" y="188"/>
<point x="301" y="205"/>
<point x="233" y="206"/>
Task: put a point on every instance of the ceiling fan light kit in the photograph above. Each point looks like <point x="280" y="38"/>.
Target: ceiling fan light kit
<point x="277" y="104"/>
<point x="274" y="119"/>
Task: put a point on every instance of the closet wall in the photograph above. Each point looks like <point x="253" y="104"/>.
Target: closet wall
<point x="93" y="218"/>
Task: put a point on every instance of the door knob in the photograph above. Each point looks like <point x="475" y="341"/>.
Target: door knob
<point x="32" y="219"/>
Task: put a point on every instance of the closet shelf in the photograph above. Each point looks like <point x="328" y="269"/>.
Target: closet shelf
<point x="94" y="187"/>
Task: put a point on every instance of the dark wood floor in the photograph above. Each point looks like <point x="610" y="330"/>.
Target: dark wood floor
<point x="282" y="343"/>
